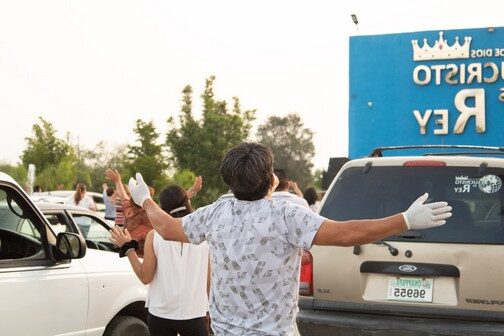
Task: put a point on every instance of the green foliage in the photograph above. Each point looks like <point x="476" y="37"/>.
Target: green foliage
<point x="94" y="162"/>
<point x="184" y="178"/>
<point x="292" y="146"/>
<point x="54" y="158"/>
<point x="147" y="156"/>
<point x="43" y="148"/>
<point x="200" y="145"/>
<point x="65" y="174"/>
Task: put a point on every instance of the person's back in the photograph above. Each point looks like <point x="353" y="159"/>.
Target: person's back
<point x="109" y="198"/>
<point x="289" y="197"/>
<point x="80" y="199"/>
<point x="255" y="250"/>
<point x="311" y="197"/>
<point x="181" y="277"/>
<point x="177" y="273"/>
<point x="256" y="242"/>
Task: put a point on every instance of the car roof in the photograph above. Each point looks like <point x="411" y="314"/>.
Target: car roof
<point x="56" y="206"/>
<point x="66" y="193"/>
<point x="6" y="178"/>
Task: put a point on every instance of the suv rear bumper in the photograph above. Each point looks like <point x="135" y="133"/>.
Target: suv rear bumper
<point x="319" y="322"/>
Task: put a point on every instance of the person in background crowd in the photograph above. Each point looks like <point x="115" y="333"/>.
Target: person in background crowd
<point x="311" y="197"/>
<point x="256" y="242"/>
<point x="36" y="191"/>
<point x="177" y="274"/>
<point x="109" y="198"/>
<point x="119" y="219"/>
<point x="135" y="218"/>
<point x="282" y="190"/>
<point x="294" y="187"/>
<point x="80" y="199"/>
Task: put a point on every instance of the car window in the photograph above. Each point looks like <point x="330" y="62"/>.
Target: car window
<point x="19" y="236"/>
<point x="91" y="228"/>
<point x="98" y="199"/>
<point x="477" y="199"/>
<point x="26" y="227"/>
<point x="58" y="222"/>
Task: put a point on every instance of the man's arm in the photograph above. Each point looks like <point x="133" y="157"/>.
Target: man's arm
<point x="168" y="227"/>
<point x="357" y="232"/>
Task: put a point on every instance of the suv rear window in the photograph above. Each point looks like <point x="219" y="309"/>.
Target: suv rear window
<point x="477" y="200"/>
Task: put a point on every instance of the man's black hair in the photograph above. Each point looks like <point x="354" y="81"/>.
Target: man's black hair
<point x="283" y="180"/>
<point x="310" y="195"/>
<point x="110" y="191"/>
<point x="247" y="169"/>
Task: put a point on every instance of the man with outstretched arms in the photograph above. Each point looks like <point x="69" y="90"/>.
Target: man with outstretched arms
<point x="256" y="241"/>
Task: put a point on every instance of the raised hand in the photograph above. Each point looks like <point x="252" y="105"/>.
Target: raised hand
<point x="196" y="187"/>
<point x="424" y="216"/>
<point x="139" y="189"/>
<point x="119" y="237"/>
<point x="113" y="175"/>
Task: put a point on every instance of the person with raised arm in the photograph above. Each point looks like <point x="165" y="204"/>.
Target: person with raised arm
<point x="256" y="241"/>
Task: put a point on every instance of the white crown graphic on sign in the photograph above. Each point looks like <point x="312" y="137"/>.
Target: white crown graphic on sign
<point x="441" y="50"/>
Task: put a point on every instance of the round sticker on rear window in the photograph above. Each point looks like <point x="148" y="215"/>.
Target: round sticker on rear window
<point x="490" y="184"/>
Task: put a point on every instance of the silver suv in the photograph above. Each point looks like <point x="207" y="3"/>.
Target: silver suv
<point x="447" y="280"/>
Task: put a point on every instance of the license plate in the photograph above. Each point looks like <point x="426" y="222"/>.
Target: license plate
<point x="410" y="289"/>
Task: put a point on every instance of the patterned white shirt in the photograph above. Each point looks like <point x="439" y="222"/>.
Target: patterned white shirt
<point x="255" y="257"/>
<point x="287" y="196"/>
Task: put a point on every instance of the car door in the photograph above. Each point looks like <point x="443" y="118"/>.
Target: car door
<point x="38" y="296"/>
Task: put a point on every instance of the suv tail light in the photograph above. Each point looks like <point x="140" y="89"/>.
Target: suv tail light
<point x="306" y="277"/>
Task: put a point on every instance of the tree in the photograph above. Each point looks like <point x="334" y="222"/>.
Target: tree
<point x="147" y="156"/>
<point x="43" y="147"/>
<point x="184" y="178"/>
<point x="94" y="161"/>
<point x="200" y="145"/>
<point x="54" y="158"/>
<point x="292" y="146"/>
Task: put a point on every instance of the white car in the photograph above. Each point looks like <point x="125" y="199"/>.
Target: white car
<point x="50" y="284"/>
<point x="60" y="196"/>
<point x="69" y="218"/>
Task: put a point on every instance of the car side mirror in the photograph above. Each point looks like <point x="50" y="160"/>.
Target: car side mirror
<point x="69" y="246"/>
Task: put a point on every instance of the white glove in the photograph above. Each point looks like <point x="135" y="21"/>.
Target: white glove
<point x="139" y="189"/>
<point x="424" y="216"/>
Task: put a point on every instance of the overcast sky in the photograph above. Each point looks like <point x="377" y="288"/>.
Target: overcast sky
<point x="93" y="67"/>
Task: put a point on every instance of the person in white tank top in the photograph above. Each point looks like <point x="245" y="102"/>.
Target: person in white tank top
<point x="177" y="273"/>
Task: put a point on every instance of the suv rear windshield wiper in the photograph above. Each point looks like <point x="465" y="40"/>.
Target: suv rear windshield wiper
<point x="411" y="234"/>
<point x="391" y="248"/>
<point x="393" y="251"/>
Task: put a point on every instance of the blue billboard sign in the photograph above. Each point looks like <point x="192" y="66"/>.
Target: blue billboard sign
<point x="426" y="88"/>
